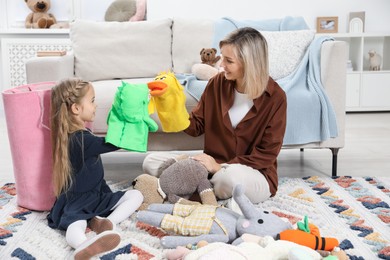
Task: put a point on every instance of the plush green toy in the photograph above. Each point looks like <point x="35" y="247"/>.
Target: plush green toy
<point x="128" y="121"/>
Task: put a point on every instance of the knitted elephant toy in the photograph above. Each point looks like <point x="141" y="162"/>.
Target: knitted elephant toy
<point x="210" y="223"/>
<point x="179" y="179"/>
<point x="128" y="120"/>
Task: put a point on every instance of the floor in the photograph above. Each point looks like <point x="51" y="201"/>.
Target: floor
<point x="366" y="153"/>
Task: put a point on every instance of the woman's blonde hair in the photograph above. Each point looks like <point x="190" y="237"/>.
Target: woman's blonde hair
<point x="251" y="49"/>
<point x="63" y="96"/>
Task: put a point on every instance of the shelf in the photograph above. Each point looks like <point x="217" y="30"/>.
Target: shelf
<point x="367" y="90"/>
<point x="23" y="31"/>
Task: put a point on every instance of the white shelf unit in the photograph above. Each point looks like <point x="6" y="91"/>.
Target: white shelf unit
<point x="367" y="90"/>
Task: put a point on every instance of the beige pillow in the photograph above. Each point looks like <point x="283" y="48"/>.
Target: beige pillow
<point x="286" y="50"/>
<point x="120" y="11"/>
<point x="188" y="39"/>
<point x="110" y="50"/>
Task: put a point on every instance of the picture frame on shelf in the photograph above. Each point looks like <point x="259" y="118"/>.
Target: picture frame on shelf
<point x="327" y="24"/>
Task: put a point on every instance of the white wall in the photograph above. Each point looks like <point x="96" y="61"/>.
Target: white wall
<point x="377" y="11"/>
<point x="13" y="12"/>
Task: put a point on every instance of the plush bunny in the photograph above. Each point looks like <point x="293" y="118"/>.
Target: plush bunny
<point x="212" y="223"/>
<point x="179" y="178"/>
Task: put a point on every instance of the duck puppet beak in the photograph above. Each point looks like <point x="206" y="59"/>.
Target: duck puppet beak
<point x="157" y="88"/>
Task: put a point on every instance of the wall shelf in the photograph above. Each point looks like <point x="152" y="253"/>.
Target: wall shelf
<point x="23" y="31"/>
<point x="367" y="90"/>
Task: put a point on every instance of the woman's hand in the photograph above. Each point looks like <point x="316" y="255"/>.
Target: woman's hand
<point x="209" y="162"/>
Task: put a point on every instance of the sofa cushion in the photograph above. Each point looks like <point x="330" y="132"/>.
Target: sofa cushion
<point x="286" y="49"/>
<point x="189" y="36"/>
<point x="109" y="50"/>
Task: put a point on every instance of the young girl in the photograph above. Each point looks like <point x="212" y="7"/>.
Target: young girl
<point x="78" y="175"/>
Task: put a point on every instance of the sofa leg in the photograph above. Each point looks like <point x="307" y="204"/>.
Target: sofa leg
<point x="334" y="161"/>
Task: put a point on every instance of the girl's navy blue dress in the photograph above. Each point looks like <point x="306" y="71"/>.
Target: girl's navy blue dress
<point x="89" y="195"/>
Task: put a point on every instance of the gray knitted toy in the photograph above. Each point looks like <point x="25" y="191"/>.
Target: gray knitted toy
<point x="179" y="179"/>
<point x="203" y="222"/>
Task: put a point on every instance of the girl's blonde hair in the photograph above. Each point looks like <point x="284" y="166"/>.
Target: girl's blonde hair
<point x="251" y="49"/>
<point x="63" y="96"/>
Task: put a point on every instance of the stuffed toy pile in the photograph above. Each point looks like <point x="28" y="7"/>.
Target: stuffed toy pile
<point x="179" y="179"/>
<point x="209" y="66"/>
<point x="194" y="223"/>
<point x="39" y="17"/>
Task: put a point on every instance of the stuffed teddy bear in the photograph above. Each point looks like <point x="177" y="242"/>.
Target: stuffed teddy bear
<point x="39" y="18"/>
<point x="170" y="105"/>
<point x="126" y="10"/>
<point x="211" y="223"/>
<point x="209" y="56"/>
<point x="179" y="179"/>
<point x="209" y="67"/>
<point x="128" y="121"/>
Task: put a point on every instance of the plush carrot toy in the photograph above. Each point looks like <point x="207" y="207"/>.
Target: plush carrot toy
<point x="306" y="239"/>
<point x="308" y="235"/>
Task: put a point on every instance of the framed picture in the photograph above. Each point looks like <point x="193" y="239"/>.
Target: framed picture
<point x="327" y="24"/>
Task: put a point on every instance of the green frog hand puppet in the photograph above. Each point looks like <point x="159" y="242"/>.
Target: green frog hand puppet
<point x="128" y="121"/>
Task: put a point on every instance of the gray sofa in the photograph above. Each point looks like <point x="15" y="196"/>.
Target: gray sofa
<point x="105" y="53"/>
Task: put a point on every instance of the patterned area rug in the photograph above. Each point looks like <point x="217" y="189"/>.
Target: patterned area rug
<point x="354" y="210"/>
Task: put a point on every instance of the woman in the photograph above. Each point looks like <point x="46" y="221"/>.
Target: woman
<point x="242" y="114"/>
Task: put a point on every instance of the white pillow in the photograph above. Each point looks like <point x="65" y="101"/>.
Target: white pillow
<point x="286" y="49"/>
<point x="109" y="50"/>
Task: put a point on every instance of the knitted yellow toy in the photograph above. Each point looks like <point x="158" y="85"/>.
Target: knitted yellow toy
<point x="170" y="104"/>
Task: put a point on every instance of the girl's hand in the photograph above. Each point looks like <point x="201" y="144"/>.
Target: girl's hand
<point x="209" y="162"/>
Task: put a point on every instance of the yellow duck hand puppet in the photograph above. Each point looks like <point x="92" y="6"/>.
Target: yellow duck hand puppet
<point x="170" y="104"/>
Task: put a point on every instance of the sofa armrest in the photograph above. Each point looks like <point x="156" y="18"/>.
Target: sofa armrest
<point x="52" y="68"/>
<point x="334" y="75"/>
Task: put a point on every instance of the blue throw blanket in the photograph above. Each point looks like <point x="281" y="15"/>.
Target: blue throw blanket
<point x="310" y="115"/>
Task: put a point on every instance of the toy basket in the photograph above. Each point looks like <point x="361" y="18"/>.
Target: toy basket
<point x="27" y="113"/>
